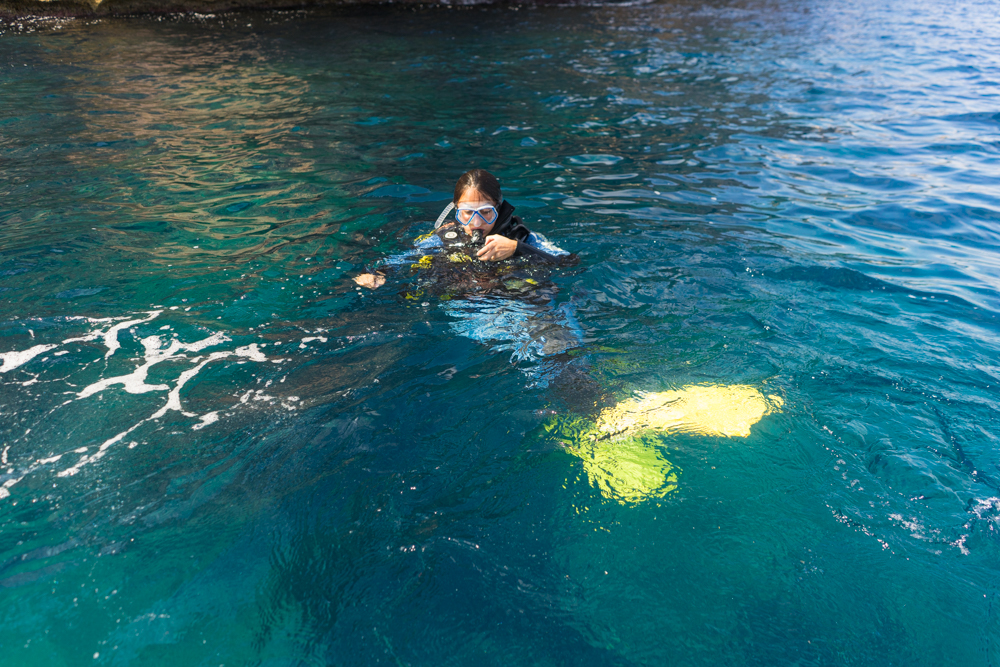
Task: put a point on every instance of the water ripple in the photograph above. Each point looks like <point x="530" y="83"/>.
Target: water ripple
<point x="796" y="197"/>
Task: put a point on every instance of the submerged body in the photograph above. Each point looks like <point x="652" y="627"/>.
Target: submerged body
<point x="492" y="276"/>
<point x="508" y="305"/>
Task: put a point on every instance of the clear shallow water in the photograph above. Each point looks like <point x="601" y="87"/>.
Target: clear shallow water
<point x="797" y="196"/>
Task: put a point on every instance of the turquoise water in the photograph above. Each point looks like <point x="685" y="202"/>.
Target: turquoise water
<point x="217" y="451"/>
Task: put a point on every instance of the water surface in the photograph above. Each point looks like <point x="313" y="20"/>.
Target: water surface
<point x="216" y="450"/>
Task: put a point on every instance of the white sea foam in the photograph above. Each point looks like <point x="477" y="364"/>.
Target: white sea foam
<point x="251" y="352"/>
<point x="137" y="379"/>
<point x="174" y="397"/>
<point x="111" y="335"/>
<point x="135" y="382"/>
<point x="206" y="419"/>
<point x="12" y="360"/>
<point x="99" y="453"/>
<point x="986" y="508"/>
<point x="16" y="358"/>
<point x="157" y="350"/>
<point x="309" y="339"/>
<point x="5" y="488"/>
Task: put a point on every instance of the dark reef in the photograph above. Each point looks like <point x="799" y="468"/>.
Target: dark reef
<point x="21" y="8"/>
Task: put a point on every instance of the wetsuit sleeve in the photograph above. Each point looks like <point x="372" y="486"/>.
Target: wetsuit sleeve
<point x="526" y="250"/>
<point x="538" y="247"/>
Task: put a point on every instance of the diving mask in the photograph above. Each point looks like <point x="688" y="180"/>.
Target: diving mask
<point x="466" y="214"/>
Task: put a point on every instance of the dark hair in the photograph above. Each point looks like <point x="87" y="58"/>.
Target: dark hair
<point x="481" y="181"/>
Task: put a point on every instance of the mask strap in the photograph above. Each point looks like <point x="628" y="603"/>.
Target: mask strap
<point x="444" y="214"/>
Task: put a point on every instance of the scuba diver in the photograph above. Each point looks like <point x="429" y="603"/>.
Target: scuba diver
<point x="484" y="223"/>
<point x="491" y="274"/>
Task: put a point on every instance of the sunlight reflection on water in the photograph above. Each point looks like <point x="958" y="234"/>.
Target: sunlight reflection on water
<point x="217" y="449"/>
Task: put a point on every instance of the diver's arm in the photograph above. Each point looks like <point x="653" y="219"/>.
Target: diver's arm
<point x="526" y="250"/>
<point x="375" y="278"/>
<point x="539" y="248"/>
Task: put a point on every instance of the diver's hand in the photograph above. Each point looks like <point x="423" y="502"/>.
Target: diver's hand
<point x="497" y="248"/>
<point x="370" y="280"/>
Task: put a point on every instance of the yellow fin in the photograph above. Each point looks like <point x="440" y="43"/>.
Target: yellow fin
<point x="621" y="453"/>
<point x="629" y="471"/>
<point x="721" y="410"/>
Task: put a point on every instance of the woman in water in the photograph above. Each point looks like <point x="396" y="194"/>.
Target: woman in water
<point x="484" y="224"/>
<point x="491" y="275"/>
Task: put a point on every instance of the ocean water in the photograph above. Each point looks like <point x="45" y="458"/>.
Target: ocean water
<point x="216" y="450"/>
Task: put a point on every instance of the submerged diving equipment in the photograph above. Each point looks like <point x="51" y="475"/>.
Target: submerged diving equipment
<point x="621" y="450"/>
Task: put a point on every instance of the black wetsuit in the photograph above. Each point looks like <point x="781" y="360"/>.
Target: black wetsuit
<point x="509" y="304"/>
<point x="454" y="268"/>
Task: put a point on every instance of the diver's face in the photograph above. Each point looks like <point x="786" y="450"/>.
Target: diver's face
<point x="476" y="199"/>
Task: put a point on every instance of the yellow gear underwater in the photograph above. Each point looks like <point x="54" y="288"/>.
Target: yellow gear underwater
<point x="426" y="262"/>
<point x="621" y="458"/>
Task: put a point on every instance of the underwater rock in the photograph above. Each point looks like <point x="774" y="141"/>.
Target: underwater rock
<point x="16" y="8"/>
